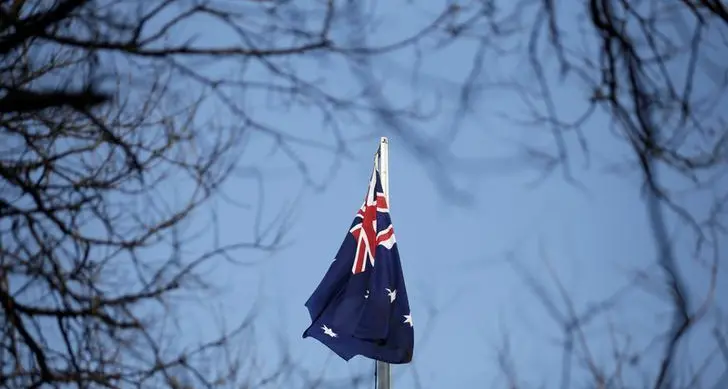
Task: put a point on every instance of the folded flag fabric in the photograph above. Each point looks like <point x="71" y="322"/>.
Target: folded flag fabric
<point x="360" y="307"/>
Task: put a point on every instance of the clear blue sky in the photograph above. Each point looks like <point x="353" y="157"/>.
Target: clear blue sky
<point x="464" y="296"/>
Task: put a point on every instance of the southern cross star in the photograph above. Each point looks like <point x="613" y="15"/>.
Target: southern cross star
<point x="408" y="319"/>
<point x="328" y="331"/>
<point x="392" y="294"/>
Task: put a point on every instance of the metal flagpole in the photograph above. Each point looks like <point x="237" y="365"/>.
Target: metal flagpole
<point x="384" y="165"/>
<point x="383" y="371"/>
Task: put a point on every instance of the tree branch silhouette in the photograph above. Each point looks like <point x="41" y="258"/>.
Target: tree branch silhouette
<point x="110" y="152"/>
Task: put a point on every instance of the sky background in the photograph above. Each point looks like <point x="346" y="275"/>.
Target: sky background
<point x="454" y="244"/>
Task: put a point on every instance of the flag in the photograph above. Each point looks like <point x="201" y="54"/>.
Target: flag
<point x="360" y="307"/>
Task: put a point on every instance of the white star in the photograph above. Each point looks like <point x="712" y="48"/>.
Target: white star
<point x="392" y="294"/>
<point x="408" y="319"/>
<point x="328" y="331"/>
<point x="366" y="296"/>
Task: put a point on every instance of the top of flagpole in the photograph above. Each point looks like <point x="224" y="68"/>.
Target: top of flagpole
<point x="384" y="165"/>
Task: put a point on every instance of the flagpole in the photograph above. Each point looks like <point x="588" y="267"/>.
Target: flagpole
<point x="382" y="368"/>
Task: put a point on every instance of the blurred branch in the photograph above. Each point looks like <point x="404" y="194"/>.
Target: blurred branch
<point x="647" y="74"/>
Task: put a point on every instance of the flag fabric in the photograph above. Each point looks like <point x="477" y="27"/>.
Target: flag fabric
<point x="360" y="307"/>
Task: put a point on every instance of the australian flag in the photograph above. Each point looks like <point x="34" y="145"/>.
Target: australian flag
<point x="361" y="306"/>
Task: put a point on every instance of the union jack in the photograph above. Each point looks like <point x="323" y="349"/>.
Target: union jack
<point x="366" y="232"/>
